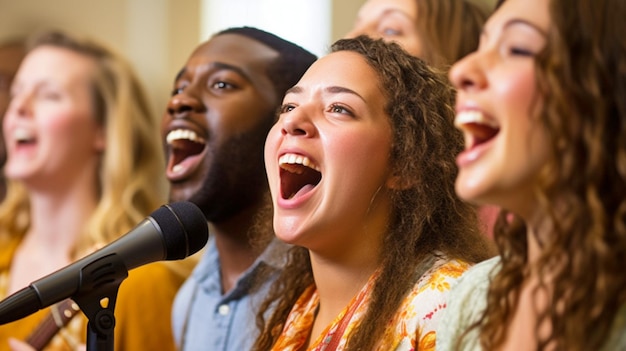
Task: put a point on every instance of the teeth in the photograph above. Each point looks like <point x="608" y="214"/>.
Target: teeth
<point x="22" y="134"/>
<point x="297" y="159"/>
<point x="177" y="168"/>
<point x="478" y="117"/>
<point x="184" y="134"/>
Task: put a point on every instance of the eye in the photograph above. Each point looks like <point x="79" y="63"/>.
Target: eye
<point x="47" y="94"/>
<point x="222" y="85"/>
<point x="177" y="91"/>
<point x="286" y="108"/>
<point x="337" y="108"/>
<point x="390" y="32"/>
<point x="518" y="51"/>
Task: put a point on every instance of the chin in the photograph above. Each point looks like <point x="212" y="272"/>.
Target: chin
<point x="472" y="194"/>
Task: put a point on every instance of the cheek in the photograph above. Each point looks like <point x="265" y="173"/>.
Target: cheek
<point x="518" y="93"/>
<point x="412" y="44"/>
<point x="65" y="123"/>
<point x="366" y="157"/>
<point x="271" y="144"/>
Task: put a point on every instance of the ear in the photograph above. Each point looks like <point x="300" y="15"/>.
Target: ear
<point x="396" y="182"/>
<point x="99" y="142"/>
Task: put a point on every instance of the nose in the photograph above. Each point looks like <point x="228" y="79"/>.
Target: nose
<point x="20" y="105"/>
<point x="468" y="73"/>
<point x="297" y="122"/>
<point x="184" y="101"/>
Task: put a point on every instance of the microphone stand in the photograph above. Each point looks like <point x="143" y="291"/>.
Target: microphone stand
<point x="100" y="281"/>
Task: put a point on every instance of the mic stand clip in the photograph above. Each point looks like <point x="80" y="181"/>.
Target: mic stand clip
<point x="96" y="297"/>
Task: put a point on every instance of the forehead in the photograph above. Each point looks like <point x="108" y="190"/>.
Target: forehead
<point x="345" y="67"/>
<point x="534" y="12"/>
<point x="235" y="50"/>
<point x="379" y="7"/>
<point x="55" y="62"/>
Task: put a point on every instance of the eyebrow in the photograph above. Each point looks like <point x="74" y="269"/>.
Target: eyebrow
<point x="332" y="89"/>
<point x="517" y="21"/>
<point x="217" y="66"/>
<point x="391" y="11"/>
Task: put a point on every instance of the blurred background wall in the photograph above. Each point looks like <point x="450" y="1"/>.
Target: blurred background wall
<point x="157" y="36"/>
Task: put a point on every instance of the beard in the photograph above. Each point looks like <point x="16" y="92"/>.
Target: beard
<point x="235" y="177"/>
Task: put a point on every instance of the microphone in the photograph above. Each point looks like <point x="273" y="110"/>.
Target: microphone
<point x="172" y="232"/>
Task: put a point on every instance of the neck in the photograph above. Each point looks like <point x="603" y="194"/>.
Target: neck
<point x="234" y="242"/>
<point x="338" y="281"/>
<point x="57" y="222"/>
<point x="58" y="219"/>
<point x="538" y="232"/>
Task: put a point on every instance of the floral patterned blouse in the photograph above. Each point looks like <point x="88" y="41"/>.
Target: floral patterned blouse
<point x="412" y="327"/>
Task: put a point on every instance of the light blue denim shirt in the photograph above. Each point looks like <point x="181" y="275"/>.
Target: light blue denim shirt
<point x="205" y="320"/>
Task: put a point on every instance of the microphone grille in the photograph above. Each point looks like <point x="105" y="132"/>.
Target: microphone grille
<point x="184" y="229"/>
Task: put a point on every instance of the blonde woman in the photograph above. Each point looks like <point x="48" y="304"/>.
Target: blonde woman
<point x="84" y="167"/>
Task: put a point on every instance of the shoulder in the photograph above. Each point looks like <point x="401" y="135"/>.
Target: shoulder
<point x="158" y="280"/>
<point x="467" y="300"/>
<point x="473" y="284"/>
<point x="430" y="294"/>
<point x="617" y="336"/>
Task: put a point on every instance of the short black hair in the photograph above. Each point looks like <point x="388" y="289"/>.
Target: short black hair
<point x="291" y="64"/>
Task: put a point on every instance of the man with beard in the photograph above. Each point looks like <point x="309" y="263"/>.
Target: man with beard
<point x="222" y="106"/>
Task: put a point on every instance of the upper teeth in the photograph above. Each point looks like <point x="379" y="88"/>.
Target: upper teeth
<point x="466" y="117"/>
<point x="297" y="159"/>
<point x="22" y="134"/>
<point x="186" y="134"/>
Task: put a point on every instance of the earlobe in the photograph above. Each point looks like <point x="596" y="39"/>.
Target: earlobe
<point x="99" y="143"/>
<point x="396" y="182"/>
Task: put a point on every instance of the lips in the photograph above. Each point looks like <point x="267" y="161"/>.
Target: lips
<point x="298" y="175"/>
<point x="186" y="149"/>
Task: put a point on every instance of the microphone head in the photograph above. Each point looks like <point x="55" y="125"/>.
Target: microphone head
<point x="184" y="228"/>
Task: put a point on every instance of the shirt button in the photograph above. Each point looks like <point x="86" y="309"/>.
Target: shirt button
<point x="223" y="310"/>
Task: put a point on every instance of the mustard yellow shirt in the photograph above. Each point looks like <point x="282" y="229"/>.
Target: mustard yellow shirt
<point x="142" y="311"/>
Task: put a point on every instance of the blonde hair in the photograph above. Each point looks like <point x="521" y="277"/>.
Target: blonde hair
<point x="131" y="176"/>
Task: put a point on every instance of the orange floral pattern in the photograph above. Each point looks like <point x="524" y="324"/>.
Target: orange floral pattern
<point x="412" y="328"/>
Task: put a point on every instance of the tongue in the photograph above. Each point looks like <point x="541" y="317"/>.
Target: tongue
<point x="305" y="189"/>
<point x="481" y="132"/>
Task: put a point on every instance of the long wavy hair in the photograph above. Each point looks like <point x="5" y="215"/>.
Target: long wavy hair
<point x="581" y="77"/>
<point x="449" y="29"/>
<point x="426" y="217"/>
<point x="131" y="181"/>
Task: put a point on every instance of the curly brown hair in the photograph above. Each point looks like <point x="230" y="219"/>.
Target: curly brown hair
<point x="426" y="215"/>
<point x="581" y="76"/>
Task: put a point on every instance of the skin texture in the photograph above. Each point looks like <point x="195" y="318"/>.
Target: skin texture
<point x="334" y="117"/>
<point x="498" y="81"/>
<point x="83" y="160"/>
<point x="52" y="107"/>
<point x="225" y="96"/>
<point x="546" y="76"/>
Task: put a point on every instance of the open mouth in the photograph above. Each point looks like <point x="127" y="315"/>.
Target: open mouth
<point x="184" y="144"/>
<point x="23" y="136"/>
<point x="298" y="175"/>
<point x="477" y="128"/>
